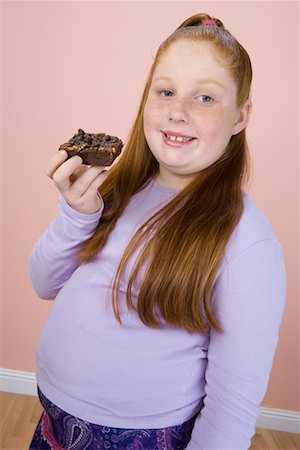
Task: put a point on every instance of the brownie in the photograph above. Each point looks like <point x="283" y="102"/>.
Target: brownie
<point x="96" y="149"/>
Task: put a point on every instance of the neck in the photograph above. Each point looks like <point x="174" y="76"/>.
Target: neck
<point x="174" y="181"/>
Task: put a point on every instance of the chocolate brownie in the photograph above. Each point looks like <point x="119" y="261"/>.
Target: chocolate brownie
<point x="96" y="149"/>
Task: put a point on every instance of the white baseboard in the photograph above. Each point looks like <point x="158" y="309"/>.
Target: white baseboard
<point x="19" y="382"/>
<point x="279" y="419"/>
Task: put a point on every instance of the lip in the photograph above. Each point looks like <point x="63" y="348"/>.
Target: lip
<point x="176" y="143"/>
<point x="173" y="133"/>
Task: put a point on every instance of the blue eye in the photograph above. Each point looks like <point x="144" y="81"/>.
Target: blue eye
<point x="165" y="93"/>
<point x="206" y="98"/>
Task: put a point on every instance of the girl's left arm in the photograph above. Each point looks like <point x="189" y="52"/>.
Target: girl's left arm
<point x="249" y="300"/>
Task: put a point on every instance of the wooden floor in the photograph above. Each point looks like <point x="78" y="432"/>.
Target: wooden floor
<point x="19" y="415"/>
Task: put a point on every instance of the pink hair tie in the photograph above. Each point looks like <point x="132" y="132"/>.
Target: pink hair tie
<point x="209" y="22"/>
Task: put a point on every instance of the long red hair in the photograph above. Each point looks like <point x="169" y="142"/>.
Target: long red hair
<point x="182" y="257"/>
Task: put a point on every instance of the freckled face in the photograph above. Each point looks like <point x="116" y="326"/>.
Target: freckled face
<point x="190" y="113"/>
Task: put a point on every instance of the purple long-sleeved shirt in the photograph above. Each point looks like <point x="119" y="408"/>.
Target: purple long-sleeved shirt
<point x="132" y="376"/>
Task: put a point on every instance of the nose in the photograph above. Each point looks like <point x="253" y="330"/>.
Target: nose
<point x="178" y="111"/>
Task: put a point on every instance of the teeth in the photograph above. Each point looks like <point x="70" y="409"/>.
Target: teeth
<point x="178" y="138"/>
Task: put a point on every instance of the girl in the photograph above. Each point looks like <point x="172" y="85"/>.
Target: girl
<point x="168" y="281"/>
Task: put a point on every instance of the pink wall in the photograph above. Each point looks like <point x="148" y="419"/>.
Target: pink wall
<point x="71" y="65"/>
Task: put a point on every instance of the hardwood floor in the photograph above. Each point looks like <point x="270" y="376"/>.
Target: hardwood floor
<point x="19" y="415"/>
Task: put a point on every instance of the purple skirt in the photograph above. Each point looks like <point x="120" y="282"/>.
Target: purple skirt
<point x="59" y="430"/>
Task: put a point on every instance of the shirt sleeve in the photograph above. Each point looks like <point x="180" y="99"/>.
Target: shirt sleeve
<point x="249" y="300"/>
<point x="54" y="256"/>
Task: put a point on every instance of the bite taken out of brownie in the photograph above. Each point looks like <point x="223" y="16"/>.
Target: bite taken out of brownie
<point x="95" y="149"/>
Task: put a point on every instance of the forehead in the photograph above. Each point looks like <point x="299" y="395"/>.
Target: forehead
<point x="186" y="58"/>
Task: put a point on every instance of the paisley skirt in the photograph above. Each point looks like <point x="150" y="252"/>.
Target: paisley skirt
<point x="59" y="430"/>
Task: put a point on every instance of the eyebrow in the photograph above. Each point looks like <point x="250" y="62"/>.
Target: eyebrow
<point x="206" y="81"/>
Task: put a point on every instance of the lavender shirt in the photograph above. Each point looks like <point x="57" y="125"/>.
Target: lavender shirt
<point x="132" y="376"/>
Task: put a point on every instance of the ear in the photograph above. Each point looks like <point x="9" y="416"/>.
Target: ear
<point x="243" y="117"/>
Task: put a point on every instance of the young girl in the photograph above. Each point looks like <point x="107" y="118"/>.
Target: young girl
<point x="169" y="284"/>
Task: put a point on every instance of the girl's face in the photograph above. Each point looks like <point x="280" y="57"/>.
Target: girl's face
<point x="191" y="113"/>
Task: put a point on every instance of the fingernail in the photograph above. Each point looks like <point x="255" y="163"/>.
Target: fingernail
<point x="61" y="153"/>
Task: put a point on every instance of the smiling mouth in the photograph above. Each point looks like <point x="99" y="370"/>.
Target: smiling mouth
<point x="177" y="138"/>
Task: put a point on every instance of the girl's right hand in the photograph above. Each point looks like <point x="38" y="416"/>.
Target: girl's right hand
<point x="77" y="182"/>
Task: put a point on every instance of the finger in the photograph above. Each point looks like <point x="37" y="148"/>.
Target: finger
<point x="80" y="186"/>
<point x="96" y="183"/>
<point x="62" y="175"/>
<point x="78" y="172"/>
<point x="55" y="162"/>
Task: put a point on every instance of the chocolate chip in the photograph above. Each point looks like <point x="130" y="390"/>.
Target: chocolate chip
<point x="87" y="139"/>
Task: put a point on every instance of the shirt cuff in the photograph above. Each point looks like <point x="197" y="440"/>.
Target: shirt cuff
<point x="72" y="213"/>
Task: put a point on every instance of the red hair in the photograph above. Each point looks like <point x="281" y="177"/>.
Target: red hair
<point x="184" y="254"/>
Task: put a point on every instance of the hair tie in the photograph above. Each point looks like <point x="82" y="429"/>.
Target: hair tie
<point x="209" y="22"/>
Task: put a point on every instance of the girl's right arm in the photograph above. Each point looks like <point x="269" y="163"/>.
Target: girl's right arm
<point x="54" y="256"/>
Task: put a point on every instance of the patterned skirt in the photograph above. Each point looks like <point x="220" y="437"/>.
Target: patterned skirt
<point x="59" y="430"/>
